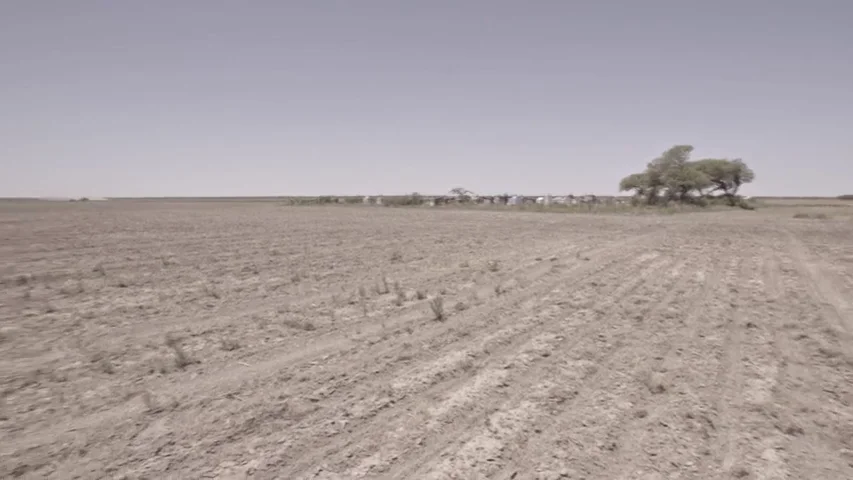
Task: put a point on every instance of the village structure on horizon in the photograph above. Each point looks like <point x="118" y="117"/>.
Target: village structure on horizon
<point x="460" y="196"/>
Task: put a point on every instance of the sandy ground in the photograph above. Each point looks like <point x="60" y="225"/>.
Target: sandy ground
<point x="249" y="340"/>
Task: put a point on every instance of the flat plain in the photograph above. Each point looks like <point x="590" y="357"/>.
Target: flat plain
<point x="145" y="339"/>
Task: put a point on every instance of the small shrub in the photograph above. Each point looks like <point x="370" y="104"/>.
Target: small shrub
<point x="396" y="257"/>
<point x="230" y="344"/>
<point x="437" y="307"/>
<point x="493" y="266"/>
<point x="420" y="294"/>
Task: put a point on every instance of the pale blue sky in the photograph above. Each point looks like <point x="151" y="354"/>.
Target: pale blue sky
<point x="163" y="98"/>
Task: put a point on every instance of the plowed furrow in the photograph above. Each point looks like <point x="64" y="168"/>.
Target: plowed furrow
<point x="574" y="366"/>
<point x="589" y="428"/>
<point x="439" y="367"/>
<point x="280" y="370"/>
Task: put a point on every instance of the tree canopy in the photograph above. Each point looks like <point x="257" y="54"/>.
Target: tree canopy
<point x="674" y="177"/>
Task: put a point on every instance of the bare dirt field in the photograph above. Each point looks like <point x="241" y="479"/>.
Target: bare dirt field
<point x="249" y="340"/>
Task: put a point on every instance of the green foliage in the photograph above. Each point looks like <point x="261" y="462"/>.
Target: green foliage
<point x="674" y="177"/>
<point x="638" y="182"/>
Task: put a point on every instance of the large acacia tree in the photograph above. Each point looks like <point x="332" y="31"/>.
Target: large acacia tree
<point x="674" y="177"/>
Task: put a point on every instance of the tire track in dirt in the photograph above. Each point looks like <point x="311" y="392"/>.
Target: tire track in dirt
<point x="592" y="429"/>
<point x="241" y="376"/>
<point x="811" y="409"/>
<point x="743" y="383"/>
<point x="481" y="452"/>
<point x="707" y="431"/>
<point x="823" y="285"/>
<point x="786" y="441"/>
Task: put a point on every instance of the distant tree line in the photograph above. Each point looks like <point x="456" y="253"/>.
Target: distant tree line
<point x="673" y="177"/>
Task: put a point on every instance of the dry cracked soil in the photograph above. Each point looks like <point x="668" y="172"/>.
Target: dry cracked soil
<point x="159" y="340"/>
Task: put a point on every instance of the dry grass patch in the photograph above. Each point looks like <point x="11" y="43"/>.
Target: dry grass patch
<point x="436" y="305"/>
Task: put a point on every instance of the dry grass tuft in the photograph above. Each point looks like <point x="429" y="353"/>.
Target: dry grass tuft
<point x="493" y="265"/>
<point x="437" y="307"/>
<point x="212" y="291"/>
<point x="400" y="299"/>
<point x="794" y="430"/>
<point x="150" y="403"/>
<point x="420" y="294"/>
<point x="154" y="406"/>
<point x="102" y="361"/>
<point x="382" y="287"/>
<point x="72" y="287"/>
<point x="740" y="472"/>
<point x="182" y="360"/>
<point x="396" y="257"/>
<point x="655" y="382"/>
<point x="230" y="344"/>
